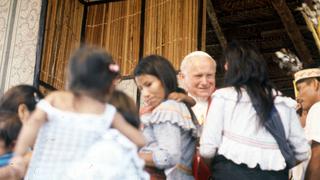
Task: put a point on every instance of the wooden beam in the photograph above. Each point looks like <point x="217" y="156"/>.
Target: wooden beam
<point x="204" y="25"/>
<point x="215" y="24"/>
<point x="293" y="31"/>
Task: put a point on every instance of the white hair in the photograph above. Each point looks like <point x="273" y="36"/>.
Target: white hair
<point x="188" y="58"/>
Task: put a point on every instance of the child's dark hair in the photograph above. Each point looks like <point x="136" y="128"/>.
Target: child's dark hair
<point x="126" y="107"/>
<point x="21" y="94"/>
<point x="161" y="68"/>
<point x="10" y="126"/>
<point x="91" y="72"/>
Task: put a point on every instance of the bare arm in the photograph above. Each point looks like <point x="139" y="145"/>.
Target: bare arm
<point x="147" y="157"/>
<point x="182" y="97"/>
<point x="129" y="131"/>
<point x="29" y="132"/>
<point x="313" y="170"/>
<point x="26" y="139"/>
<point x="8" y="173"/>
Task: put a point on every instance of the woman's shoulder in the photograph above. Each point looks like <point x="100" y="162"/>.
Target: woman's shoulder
<point x="287" y="101"/>
<point x="229" y="93"/>
<point x="229" y="90"/>
<point x="175" y="113"/>
<point x="171" y="105"/>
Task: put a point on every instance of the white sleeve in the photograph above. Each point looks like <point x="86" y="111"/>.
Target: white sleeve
<point x="313" y="123"/>
<point x="212" y="129"/>
<point x="297" y="139"/>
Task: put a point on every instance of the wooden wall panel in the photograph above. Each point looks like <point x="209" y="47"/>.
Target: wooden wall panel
<point x="116" y="28"/>
<point x="171" y="28"/>
<point x="62" y="37"/>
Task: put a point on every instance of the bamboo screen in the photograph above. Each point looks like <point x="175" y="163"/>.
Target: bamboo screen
<point x="171" y="28"/>
<point x="61" y="38"/>
<point x="116" y="27"/>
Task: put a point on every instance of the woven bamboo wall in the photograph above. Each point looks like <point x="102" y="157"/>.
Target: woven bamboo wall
<point x="171" y="28"/>
<point x="116" y="27"/>
<point x="62" y="37"/>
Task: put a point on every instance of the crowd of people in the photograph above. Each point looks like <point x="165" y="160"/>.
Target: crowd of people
<point x="244" y="130"/>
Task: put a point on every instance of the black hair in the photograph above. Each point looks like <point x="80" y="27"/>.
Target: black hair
<point x="10" y="126"/>
<point x="126" y="107"/>
<point x="247" y="69"/>
<point x="90" y="73"/>
<point x="161" y="68"/>
<point x="20" y="94"/>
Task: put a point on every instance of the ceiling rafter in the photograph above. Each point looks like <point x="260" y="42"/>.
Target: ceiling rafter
<point x="292" y="30"/>
<point x="215" y="24"/>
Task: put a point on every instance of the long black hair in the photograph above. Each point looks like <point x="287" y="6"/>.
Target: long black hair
<point x="247" y="69"/>
<point x="161" y="68"/>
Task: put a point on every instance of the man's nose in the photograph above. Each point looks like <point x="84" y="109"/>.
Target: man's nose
<point x="204" y="80"/>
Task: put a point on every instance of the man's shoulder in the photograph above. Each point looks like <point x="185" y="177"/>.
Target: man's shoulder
<point x="315" y="108"/>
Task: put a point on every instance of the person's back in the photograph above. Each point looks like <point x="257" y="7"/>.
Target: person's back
<point x="67" y="135"/>
<point x="244" y="139"/>
<point x="66" y="123"/>
<point x="242" y="131"/>
<point x="112" y="157"/>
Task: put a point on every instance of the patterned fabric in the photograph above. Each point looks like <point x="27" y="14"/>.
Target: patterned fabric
<point x="170" y="135"/>
<point x="64" y="139"/>
<point x="113" y="157"/>
<point x="233" y="124"/>
<point x="307" y="73"/>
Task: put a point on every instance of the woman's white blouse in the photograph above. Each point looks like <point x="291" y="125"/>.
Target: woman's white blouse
<point x="233" y="129"/>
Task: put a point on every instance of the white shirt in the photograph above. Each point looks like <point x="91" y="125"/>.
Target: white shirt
<point x="233" y="129"/>
<point x="200" y="109"/>
<point x="312" y="130"/>
<point x="114" y="156"/>
<point x="313" y="123"/>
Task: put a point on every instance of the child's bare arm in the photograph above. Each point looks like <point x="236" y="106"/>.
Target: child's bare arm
<point x="29" y="132"/>
<point x="129" y="131"/>
<point x="182" y="97"/>
<point x="25" y="140"/>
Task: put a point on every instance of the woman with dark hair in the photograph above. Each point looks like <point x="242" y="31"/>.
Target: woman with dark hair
<point x="236" y="134"/>
<point x="21" y="99"/>
<point x="169" y="129"/>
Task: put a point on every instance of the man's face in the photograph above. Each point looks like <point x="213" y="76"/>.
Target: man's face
<point x="307" y="94"/>
<point x="199" y="77"/>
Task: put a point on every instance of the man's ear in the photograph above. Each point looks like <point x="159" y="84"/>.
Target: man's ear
<point x="316" y="84"/>
<point x="180" y="76"/>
